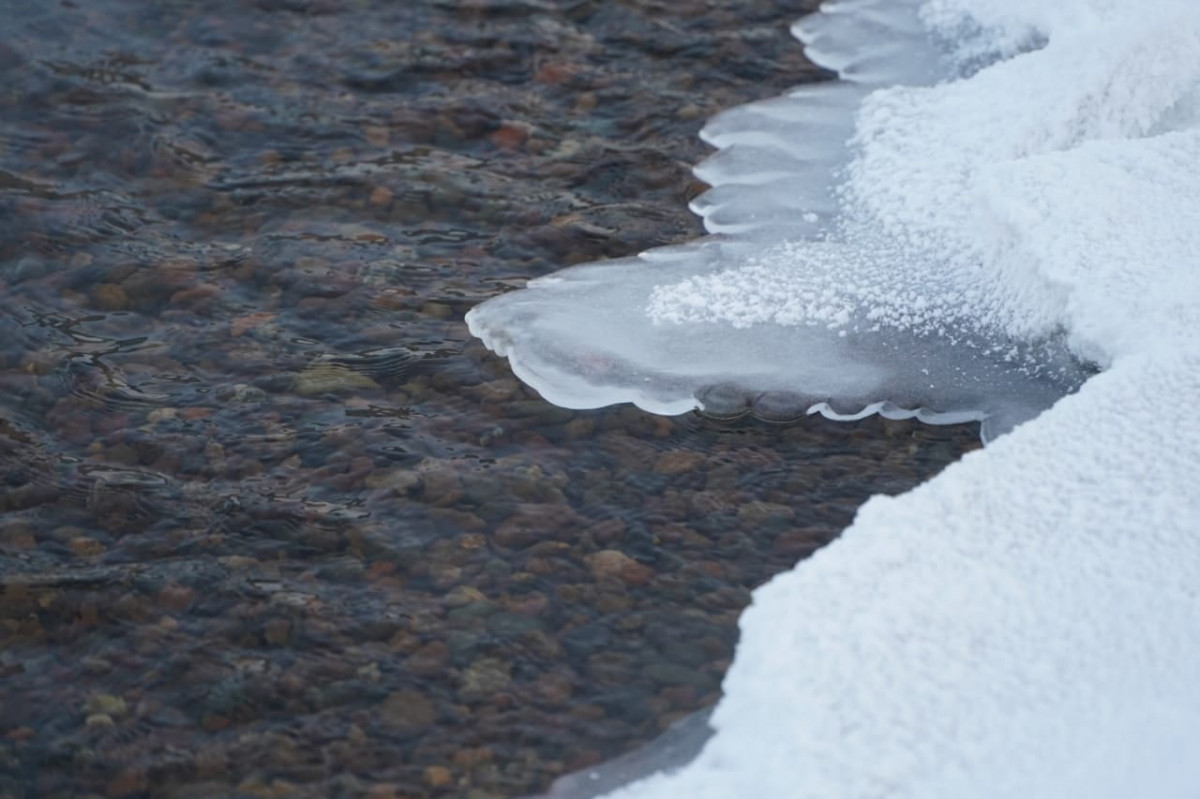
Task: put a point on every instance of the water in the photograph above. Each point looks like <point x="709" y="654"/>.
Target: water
<point x="270" y="522"/>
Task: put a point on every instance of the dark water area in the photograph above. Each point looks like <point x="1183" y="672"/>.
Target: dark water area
<point x="271" y="523"/>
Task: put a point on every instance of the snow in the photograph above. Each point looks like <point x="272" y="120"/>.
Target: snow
<point x="1018" y="190"/>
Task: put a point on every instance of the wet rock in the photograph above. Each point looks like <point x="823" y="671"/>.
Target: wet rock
<point x="583" y="641"/>
<point x="107" y="704"/>
<point x="799" y="542"/>
<point x="441" y="485"/>
<point x="539" y="411"/>
<point x="471" y="758"/>
<point x="399" y="481"/>
<point x="408" y="712"/>
<point x="332" y="378"/>
<point x="343" y="570"/>
<point x="706" y="503"/>
<point x="429" y="660"/>
<point x="530" y="523"/>
<point x="606" y="532"/>
<point x="27" y="268"/>
<point x="678" y="462"/>
<point x="610" y="668"/>
<point x="472" y="611"/>
<point x="277" y="631"/>
<point x="457" y="521"/>
<point x="109" y="297"/>
<point x="485" y="677"/>
<point x="511" y="625"/>
<point x="554" y="688"/>
<point x="611" y="563"/>
<point x="675" y="674"/>
<point x="760" y="514"/>
<point x="463" y="595"/>
<point x="437" y="777"/>
<point x="85" y="547"/>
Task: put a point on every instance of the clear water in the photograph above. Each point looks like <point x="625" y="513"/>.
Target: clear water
<point x="270" y="523"/>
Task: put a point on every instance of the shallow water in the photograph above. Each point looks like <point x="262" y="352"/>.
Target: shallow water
<point x="270" y="522"/>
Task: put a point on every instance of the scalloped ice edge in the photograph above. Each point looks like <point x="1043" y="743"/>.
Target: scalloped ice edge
<point x="768" y="182"/>
<point x="736" y="402"/>
<point x="768" y="185"/>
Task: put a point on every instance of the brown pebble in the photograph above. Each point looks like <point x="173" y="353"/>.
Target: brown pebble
<point x="377" y="135"/>
<point x="585" y="102"/>
<point x="678" y="462"/>
<point x="128" y="782"/>
<point x="398" y="481"/>
<point x="533" y="522"/>
<point x="428" y="660"/>
<point x="553" y="689"/>
<point x="484" y="677"/>
<point x="554" y="72"/>
<point x="277" y="631"/>
<point x="20" y="734"/>
<point x="174" y="596"/>
<point x="607" y="531"/>
<point x="110" y="297"/>
<point x="798" y="542"/>
<point x="380" y="569"/>
<point x="471" y="541"/>
<point x="84" y="547"/>
<point x="441" y="486"/>
<point x="438" y="777"/>
<point x="241" y="324"/>
<point x="511" y="135"/>
<point x="611" y="563"/>
<point x="756" y="513"/>
<point x="408" y="711"/>
<point x="381" y="195"/>
<point x="470" y="758"/>
<point x="201" y="292"/>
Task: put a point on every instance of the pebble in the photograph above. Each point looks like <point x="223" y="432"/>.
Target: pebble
<point x="109" y="297"/>
<point x="106" y="704"/>
<point x="438" y="777"/>
<point x="429" y="660"/>
<point x="765" y="513"/>
<point x="331" y="378"/>
<point x="678" y="462"/>
<point x="610" y="563"/>
<point x="399" y="481"/>
<point x="485" y="677"/>
<point x="408" y="711"/>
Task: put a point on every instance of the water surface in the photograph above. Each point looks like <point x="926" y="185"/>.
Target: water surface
<point x="270" y="523"/>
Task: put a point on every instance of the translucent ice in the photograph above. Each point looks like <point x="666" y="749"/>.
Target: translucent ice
<point x="820" y="294"/>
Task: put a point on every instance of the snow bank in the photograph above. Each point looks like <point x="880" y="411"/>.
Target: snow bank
<point x="1024" y="625"/>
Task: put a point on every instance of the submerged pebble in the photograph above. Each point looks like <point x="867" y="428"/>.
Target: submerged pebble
<point x="270" y="523"/>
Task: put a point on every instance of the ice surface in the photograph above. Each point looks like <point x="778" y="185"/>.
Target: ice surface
<point x="1024" y="625"/>
<point x="820" y="296"/>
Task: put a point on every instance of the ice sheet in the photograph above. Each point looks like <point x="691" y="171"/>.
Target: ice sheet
<point x="813" y="299"/>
